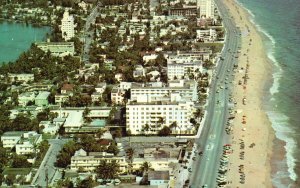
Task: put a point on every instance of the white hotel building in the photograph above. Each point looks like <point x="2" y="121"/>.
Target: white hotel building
<point x="179" y="70"/>
<point x="206" y="8"/>
<point x="67" y="26"/>
<point x="186" y="89"/>
<point x="157" y="115"/>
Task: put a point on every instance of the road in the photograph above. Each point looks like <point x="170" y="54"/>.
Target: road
<point x="47" y="166"/>
<point x="89" y="34"/>
<point x="213" y="135"/>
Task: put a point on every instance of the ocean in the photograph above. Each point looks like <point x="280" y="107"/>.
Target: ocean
<point x="16" y="38"/>
<point x="278" y="21"/>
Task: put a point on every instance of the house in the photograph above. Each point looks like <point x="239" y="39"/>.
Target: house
<point x="149" y="57"/>
<point x="96" y="96"/>
<point x="28" y="143"/>
<point x="61" y="98"/>
<point x="42" y="98"/>
<point x="159" y="178"/>
<point x="11" y="138"/>
<point x="67" y="89"/>
<point x="119" y="77"/>
<point x="139" y="71"/>
<point x="100" y="88"/>
<point x="25" y="98"/>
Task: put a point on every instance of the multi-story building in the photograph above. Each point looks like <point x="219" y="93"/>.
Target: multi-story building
<point x="61" y="98"/>
<point x="206" y="8"/>
<point x="89" y="161"/>
<point x="21" y="77"/>
<point x="208" y="35"/>
<point x="179" y="70"/>
<point x="187" y="90"/>
<point x="11" y="138"/>
<point x="59" y="49"/>
<point x="42" y="98"/>
<point x="158" y="114"/>
<point x="67" y="26"/>
<point x="28" y="143"/>
<point x="25" y="98"/>
<point x="185" y="11"/>
<point x="117" y="95"/>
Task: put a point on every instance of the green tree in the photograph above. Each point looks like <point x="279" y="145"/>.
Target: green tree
<point x="87" y="183"/>
<point x="20" y="161"/>
<point x="130" y="153"/>
<point x="108" y="170"/>
<point x="165" y="131"/>
<point x="113" y="148"/>
<point x="64" y="157"/>
<point x="174" y="125"/>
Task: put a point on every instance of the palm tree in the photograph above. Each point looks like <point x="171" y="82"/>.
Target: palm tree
<point x="130" y="152"/>
<point x="161" y="121"/>
<point x="174" y="125"/>
<point x="199" y="113"/>
<point x="145" y="167"/>
<point x="147" y="127"/>
<point x="108" y="170"/>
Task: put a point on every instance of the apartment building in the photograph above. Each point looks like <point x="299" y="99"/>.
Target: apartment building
<point x="186" y="89"/>
<point x="89" y="161"/>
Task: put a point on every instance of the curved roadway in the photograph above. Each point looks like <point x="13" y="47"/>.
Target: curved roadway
<point x="213" y="136"/>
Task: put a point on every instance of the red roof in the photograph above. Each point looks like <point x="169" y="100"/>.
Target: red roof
<point x="67" y="87"/>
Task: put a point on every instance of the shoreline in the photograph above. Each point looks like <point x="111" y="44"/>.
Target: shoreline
<point x="282" y="161"/>
<point x="257" y="160"/>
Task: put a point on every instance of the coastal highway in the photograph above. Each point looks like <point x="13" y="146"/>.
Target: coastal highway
<point x="212" y="138"/>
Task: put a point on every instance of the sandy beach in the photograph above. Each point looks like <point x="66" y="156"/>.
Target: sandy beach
<point x="252" y="137"/>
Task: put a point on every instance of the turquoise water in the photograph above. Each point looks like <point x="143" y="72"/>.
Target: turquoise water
<point x="278" y="20"/>
<point x="16" y="38"/>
